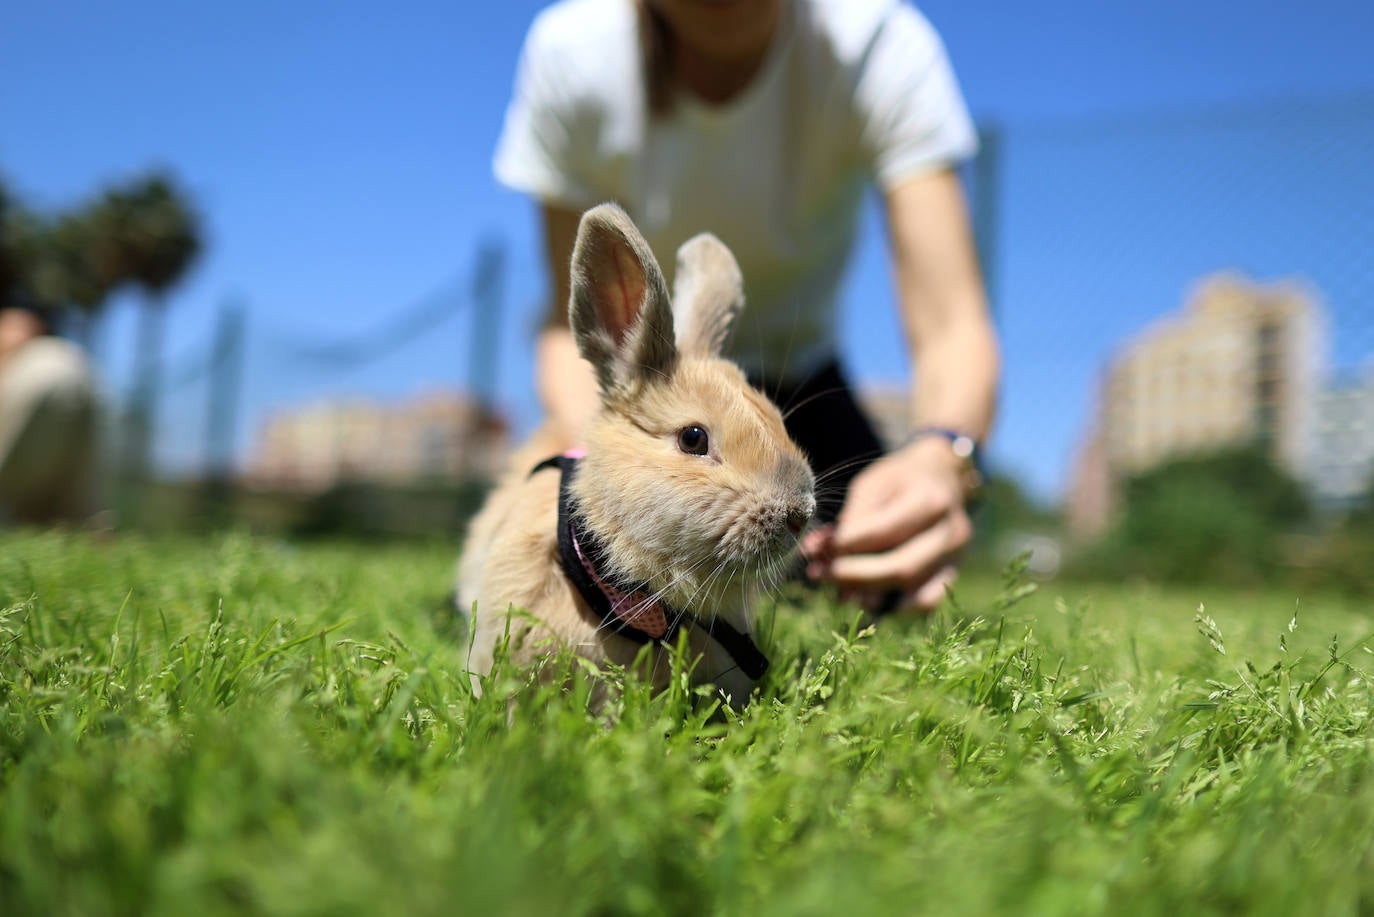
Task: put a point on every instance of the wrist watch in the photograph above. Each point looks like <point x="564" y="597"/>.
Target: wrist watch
<point x="965" y="449"/>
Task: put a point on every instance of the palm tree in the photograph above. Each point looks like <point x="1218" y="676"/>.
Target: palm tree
<point x="51" y="262"/>
<point x="63" y="272"/>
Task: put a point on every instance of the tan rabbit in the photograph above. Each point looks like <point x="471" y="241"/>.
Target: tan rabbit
<point x="690" y="496"/>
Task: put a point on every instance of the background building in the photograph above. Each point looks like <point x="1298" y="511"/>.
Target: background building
<point x="1091" y="496"/>
<point x="1342" y="455"/>
<point x="1240" y="364"/>
<point x="440" y="436"/>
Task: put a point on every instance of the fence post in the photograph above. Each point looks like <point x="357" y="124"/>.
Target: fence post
<point x="225" y="391"/>
<point x="987" y="181"/>
<point x="488" y="285"/>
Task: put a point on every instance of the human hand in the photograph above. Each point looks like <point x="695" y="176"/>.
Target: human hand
<point x="902" y="527"/>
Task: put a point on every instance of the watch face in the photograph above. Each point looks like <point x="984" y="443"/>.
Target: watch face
<point x="963" y="446"/>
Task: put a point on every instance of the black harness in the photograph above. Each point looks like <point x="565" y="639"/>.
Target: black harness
<point x="576" y="542"/>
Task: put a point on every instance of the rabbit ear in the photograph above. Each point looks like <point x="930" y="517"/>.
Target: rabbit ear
<point x="708" y="292"/>
<point x="620" y="313"/>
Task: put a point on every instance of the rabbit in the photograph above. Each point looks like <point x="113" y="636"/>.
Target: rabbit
<point x="689" y="499"/>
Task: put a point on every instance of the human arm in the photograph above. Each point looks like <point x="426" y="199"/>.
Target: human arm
<point x="565" y="381"/>
<point x="903" y="523"/>
<point x="545" y="152"/>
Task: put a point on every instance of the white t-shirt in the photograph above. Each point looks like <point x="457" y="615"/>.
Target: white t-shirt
<point x="851" y="91"/>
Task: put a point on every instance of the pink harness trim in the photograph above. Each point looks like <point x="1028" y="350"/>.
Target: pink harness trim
<point x="636" y="609"/>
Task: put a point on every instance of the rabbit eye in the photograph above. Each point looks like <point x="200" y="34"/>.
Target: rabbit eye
<point x="693" y="440"/>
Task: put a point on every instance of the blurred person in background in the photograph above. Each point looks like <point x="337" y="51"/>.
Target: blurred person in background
<point x="765" y="122"/>
<point x="48" y="422"/>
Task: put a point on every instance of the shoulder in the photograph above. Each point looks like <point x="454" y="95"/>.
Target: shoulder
<point x="576" y="99"/>
<point x="851" y="28"/>
<point x="589" y="42"/>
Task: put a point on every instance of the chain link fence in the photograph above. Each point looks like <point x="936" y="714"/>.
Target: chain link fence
<point x="1104" y="240"/>
<point x="1106" y="226"/>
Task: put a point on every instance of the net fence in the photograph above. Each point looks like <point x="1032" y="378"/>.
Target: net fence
<point x="1163" y="284"/>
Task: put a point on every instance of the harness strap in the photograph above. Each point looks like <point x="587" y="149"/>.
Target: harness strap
<point x="628" y="609"/>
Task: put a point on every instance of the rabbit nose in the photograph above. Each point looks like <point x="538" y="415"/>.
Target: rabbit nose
<point x="798" y="515"/>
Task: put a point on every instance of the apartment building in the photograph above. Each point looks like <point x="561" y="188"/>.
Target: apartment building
<point x="1240" y="363"/>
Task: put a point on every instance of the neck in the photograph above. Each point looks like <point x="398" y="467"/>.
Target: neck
<point x="717" y="80"/>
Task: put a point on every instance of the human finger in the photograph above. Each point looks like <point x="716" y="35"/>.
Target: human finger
<point x="818" y="542"/>
<point x="904" y="567"/>
<point x="872" y="527"/>
<point x="929" y="595"/>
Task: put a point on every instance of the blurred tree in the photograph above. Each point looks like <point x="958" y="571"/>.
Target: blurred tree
<point x="1217" y="517"/>
<point x="61" y="270"/>
<point x="1362" y="513"/>
<point x="1343" y="558"/>
<point x="53" y="261"/>
<point x="1005" y="502"/>
<point x="1006" y="514"/>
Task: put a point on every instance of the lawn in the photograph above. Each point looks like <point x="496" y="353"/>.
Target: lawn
<point x="243" y="725"/>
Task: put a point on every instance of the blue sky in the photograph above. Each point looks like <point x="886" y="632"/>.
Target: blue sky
<point x="340" y="156"/>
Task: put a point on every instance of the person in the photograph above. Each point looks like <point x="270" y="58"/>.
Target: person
<point x="764" y="122"/>
<point x="48" y="422"/>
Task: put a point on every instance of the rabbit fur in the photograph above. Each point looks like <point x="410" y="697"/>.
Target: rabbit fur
<point x="706" y="532"/>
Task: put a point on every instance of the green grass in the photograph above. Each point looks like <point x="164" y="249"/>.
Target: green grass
<point x="203" y="727"/>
